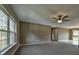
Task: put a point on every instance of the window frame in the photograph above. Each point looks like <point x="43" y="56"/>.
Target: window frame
<point x="11" y="18"/>
<point x="9" y="46"/>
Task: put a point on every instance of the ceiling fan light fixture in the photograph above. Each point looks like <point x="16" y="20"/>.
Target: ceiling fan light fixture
<point x="59" y="21"/>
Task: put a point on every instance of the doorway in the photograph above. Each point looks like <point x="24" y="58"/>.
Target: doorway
<point x="54" y="34"/>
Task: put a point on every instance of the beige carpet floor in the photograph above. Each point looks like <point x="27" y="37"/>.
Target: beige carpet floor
<point x="52" y="48"/>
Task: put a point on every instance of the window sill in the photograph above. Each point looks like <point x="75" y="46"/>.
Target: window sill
<point x="8" y="49"/>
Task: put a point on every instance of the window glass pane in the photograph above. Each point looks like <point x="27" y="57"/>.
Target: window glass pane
<point x="75" y="32"/>
<point x="15" y="27"/>
<point x="0" y="41"/>
<point x="0" y="22"/>
<point x="75" y="37"/>
<point x="12" y="38"/>
<point x="4" y="39"/>
<point x="75" y="40"/>
<point x="12" y="25"/>
<point x="12" y="31"/>
<point x="3" y="21"/>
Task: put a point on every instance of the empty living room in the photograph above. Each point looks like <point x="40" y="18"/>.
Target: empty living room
<point x="39" y="29"/>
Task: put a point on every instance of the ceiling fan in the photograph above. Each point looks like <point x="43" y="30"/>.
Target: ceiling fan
<point x="60" y="18"/>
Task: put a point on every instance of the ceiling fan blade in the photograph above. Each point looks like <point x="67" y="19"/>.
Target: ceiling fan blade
<point x="55" y="18"/>
<point x="65" y="16"/>
<point x="65" y="20"/>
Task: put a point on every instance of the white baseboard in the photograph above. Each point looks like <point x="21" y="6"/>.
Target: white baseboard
<point x="16" y="49"/>
<point x="7" y="49"/>
<point x="34" y="43"/>
<point x="27" y="44"/>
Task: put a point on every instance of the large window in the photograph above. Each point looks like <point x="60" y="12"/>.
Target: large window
<point x="12" y="27"/>
<point x="3" y="30"/>
<point x="7" y="31"/>
<point x="76" y="37"/>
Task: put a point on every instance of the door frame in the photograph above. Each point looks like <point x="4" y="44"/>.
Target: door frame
<point x="55" y="36"/>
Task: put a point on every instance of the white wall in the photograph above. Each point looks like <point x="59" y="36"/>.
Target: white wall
<point x="34" y="33"/>
<point x="63" y="35"/>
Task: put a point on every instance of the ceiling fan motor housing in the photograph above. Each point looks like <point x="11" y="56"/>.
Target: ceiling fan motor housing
<point x="59" y="17"/>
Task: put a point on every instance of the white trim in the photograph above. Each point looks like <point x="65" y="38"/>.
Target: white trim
<point x="5" y="11"/>
<point x="8" y="49"/>
<point x="34" y="43"/>
<point x="16" y="49"/>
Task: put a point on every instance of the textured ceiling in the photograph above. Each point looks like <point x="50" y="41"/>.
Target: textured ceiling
<point x="42" y="14"/>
